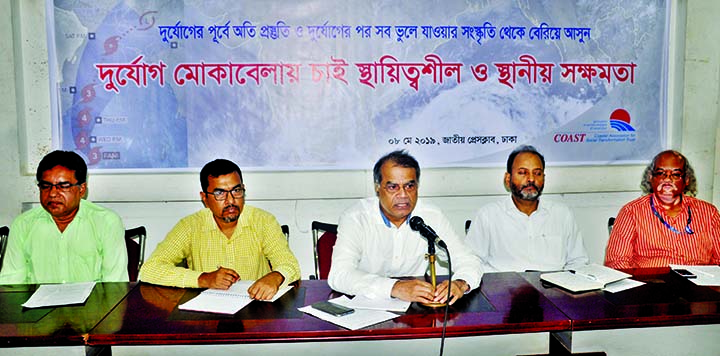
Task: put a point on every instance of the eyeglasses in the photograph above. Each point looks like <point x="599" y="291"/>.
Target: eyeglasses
<point x="394" y="187"/>
<point x="62" y="186"/>
<point x="674" y="175"/>
<point x="221" y="194"/>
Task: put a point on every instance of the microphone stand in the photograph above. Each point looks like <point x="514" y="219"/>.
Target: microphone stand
<point x="430" y="256"/>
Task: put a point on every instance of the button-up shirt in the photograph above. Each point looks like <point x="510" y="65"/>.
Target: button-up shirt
<point x="369" y="253"/>
<point x="198" y="240"/>
<point x="92" y="248"/>
<point x="640" y="239"/>
<point x="507" y="239"/>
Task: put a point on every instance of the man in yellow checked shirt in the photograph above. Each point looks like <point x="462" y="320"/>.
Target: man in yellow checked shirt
<point x="224" y="242"/>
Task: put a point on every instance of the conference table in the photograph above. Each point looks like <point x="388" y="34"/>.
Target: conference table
<point x="59" y="330"/>
<point x="506" y="306"/>
<point x="668" y="315"/>
<point x="510" y="314"/>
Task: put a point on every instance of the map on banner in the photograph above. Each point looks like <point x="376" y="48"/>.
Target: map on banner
<point x="303" y="85"/>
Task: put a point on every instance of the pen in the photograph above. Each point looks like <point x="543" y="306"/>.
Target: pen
<point x="588" y="276"/>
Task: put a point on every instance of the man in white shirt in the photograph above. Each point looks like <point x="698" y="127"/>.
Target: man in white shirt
<point x="375" y="243"/>
<point x="521" y="232"/>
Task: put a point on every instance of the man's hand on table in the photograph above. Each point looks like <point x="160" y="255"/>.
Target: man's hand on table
<point x="222" y="278"/>
<point x="266" y="287"/>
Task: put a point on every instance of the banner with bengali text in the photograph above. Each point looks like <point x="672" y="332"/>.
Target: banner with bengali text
<point x="305" y="85"/>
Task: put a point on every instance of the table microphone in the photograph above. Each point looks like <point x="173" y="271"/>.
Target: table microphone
<point x="417" y="224"/>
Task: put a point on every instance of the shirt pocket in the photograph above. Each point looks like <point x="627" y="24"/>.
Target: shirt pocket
<point x="83" y="254"/>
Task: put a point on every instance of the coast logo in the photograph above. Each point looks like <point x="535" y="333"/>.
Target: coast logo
<point x="620" y="120"/>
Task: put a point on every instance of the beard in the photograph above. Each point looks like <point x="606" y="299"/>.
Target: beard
<point x="521" y="193"/>
<point x="231" y="218"/>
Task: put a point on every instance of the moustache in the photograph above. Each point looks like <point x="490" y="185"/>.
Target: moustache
<point x="529" y="185"/>
<point x="230" y="207"/>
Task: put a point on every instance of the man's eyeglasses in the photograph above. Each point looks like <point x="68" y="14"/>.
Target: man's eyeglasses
<point x="221" y="194"/>
<point x="394" y="187"/>
<point x="674" y="175"/>
<point x="62" y="186"/>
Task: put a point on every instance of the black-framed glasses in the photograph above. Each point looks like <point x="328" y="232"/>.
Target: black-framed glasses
<point x="674" y="175"/>
<point x="221" y="194"/>
<point x="62" y="186"/>
<point x="408" y="187"/>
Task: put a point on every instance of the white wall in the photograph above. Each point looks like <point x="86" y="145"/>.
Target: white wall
<point x="297" y="198"/>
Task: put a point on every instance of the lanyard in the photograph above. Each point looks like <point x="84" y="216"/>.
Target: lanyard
<point x="688" y="230"/>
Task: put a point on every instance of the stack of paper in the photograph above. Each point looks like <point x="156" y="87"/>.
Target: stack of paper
<point x="359" y="319"/>
<point x="60" y="294"/>
<point x="226" y="301"/>
<point x="389" y="304"/>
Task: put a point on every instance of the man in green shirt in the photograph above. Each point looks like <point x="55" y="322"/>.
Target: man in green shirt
<point x="67" y="239"/>
<point x="225" y="242"/>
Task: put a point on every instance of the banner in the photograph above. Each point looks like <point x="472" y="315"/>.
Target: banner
<point x="302" y="85"/>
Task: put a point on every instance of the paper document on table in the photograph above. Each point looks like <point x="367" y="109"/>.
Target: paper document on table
<point x="585" y="278"/>
<point x="706" y="275"/>
<point x="622" y="285"/>
<point x="217" y="301"/>
<point x="60" y="294"/>
<point x="359" y="319"/>
<point x="389" y="304"/>
<point x="228" y="301"/>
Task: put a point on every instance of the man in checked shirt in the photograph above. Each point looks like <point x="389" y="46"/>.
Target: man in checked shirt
<point x="224" y="242"/>
<point x="667" y="225"/>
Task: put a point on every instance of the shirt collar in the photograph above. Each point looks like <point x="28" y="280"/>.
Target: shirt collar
<point x="511" y="208"/>
<point x="212" y="225"/>
<point x="387" y="221"/>
<point x="684" y="204"/>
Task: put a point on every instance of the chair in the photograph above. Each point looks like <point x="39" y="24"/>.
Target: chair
<point x="467" y="226"/>
<point x="135" y="243"/>
<point x="4" y="232"/>
<point x="286" y="231"/>
<point x="611" y="222"/>
<point x="324" y="236"/>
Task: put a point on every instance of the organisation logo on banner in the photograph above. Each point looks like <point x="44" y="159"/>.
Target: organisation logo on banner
<point x="616" y="128"/>
<point x="620" y="120"/>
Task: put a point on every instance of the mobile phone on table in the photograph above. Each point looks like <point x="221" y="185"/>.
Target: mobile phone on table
<point x="684" y="273"/>
<point x="332" y="308"/>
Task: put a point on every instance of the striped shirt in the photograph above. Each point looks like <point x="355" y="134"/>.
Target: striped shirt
<point x="640" y="239"/>
<point x="255" y="245"/>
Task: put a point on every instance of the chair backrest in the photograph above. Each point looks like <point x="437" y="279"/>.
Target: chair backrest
<point x="611" y="222"/>
<point x="286" y="231"/>
<point x="4" y="232"/>
<point x="467" y="226"/>
<point x="324" y="236"/>
<point x="135" y="243"/>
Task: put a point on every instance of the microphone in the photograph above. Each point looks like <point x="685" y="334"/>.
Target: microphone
<point x="417" y="224"/>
